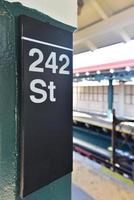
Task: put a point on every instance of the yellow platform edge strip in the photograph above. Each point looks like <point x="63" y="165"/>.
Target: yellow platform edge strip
<point x="117" y="176"/>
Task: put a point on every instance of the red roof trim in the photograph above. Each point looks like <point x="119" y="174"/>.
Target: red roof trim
<point x="107" y="66"/>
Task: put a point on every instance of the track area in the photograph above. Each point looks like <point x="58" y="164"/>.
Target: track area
<point x="95" y="147"/>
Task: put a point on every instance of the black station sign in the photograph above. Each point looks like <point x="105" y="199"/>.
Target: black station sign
<point x="46" y="104"/>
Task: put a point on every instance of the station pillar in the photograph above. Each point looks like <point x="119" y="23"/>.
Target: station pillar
<point x="121" y="99"/>
<point x="110" y="98"/>
<point x="62" y="14"/>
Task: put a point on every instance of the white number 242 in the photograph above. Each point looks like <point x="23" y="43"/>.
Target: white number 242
<point x="50" y="63"/>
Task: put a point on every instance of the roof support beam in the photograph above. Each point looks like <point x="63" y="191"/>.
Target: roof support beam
<point x="91" y="45"/>
<point x="111" y="24"/>
<point x="99" y="9"/>
<point x="124" y="36"/>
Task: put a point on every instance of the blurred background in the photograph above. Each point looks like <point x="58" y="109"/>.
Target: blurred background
<point x="103" y="100"/>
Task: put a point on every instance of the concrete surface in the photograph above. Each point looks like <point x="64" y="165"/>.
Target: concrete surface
<point x="78" y="194"/>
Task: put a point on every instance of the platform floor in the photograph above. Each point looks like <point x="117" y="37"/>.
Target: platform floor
<point x="78" y="194"/>
<point x="95" y="181"/>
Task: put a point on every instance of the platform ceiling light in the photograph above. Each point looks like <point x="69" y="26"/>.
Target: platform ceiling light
<point x="98" y="72"/>
<point x="87" y="73"/>
<point x="111" y="71"/>
<point x="77" y="74"/>
<point x="128" y="69"/>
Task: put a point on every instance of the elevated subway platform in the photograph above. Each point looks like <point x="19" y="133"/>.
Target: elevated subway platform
<point x="102" y="121"/>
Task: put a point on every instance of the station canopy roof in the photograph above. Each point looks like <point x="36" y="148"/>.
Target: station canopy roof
<point x="102" y="23"/>
<point x="121" y="70"/>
